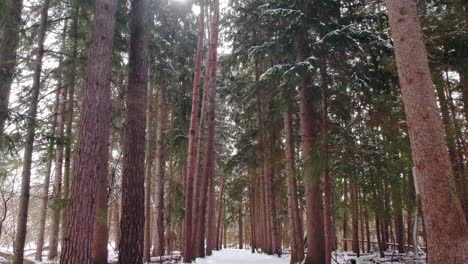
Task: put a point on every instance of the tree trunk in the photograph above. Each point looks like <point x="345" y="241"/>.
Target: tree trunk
<point x="297" y="243"/>
<point x="315" y="231"/>
<point x="45" y="189"/>
<point x="211" y="227"/>
<point x="220" y="214"/>
<point x="133" y="183"/>
<point x="148" y="170"/>
<point x="444" y="217"/>
<point x="70" y="107"/>
<point x="241" y="227"/>
<point x="9" y="38"/>
<point x="29" y="141"/>
<point x="354" y="217"/>
<point x="345" y="217"/>
<point x="187" y="248"/>
<point x="160" y="172"/>
<point x="380" y="242"/>
<point x="101" y="229"/>
<point x="92" y="148"/>
<point x="57" y="187"/>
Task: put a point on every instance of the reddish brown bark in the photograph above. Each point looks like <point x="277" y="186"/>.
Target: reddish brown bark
<point x="101" y="229"/>
<point x="297" y="243"/>
<point x="133" y="176"/>
<point x="209" y="168"/>
<point x="21" y="226"/>
<point x="211" y="227"/>
<point x="345" y="217"/>
<point x="313" y="194"/>
<point x="92" y="146"/>
<point x="447" y="236"/>
<point x="192" y="148"/>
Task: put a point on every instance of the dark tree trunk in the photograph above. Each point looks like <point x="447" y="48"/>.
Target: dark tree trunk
<point x="133" y="177"/>
<point x="92" y="148"/>
<point x="23" y="207"/>
<point x="9" y="38"/>
<point x="444" y="217"/>
<point x="345" y="217"/>
<point x="380" y="242"/>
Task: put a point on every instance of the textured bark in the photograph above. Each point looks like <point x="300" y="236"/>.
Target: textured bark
<point x="447" y="236"/>
<point x="45" y="189"/>
<point x="252" y="209"/>
<point x="133" y="183"/>
<point x="29" y="141"/>
<point x="101" y="229"/>
<point x="160" y="172"/>
<point x="398" y="218"/>
<point x="93" y="141"/>
<point x="148" y="171"/>
<point x="297" y="243"/>
<point x="192" y="148"/>
<point x="9" y="38"/>
<point x="309" y="130"/>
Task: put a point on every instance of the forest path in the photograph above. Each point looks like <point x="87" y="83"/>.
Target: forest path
<point x="239" y="256"/>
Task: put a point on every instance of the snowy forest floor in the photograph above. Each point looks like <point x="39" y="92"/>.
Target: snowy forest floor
<point x="238" y="256"/>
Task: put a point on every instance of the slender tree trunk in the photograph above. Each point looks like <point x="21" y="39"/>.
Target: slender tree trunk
<point x="70" y="107"/>
<point x="220" y="214"/>
<point x="9" y="38"/>
<point x="297" y="243"/>
<point x="45" y="190"/>
<point x="23" y="207"/>
<point x="133" y="183"/>
<point x="57" y="187"/>
<point x="380" y="242"/>
<point x="326" y="169"/>
<point x="345" y="217"/>
<point x="160" y="172"/>
<point x="148" y="171"/>
<point x="192" y="149"/>
<point x="444" y="217"/>
<point x="211" y="227"/>
<point x="92" y="149"/>
<point x="241" y="227"/>
<point x="354" y="217"/>
<point x="368" y="234"/>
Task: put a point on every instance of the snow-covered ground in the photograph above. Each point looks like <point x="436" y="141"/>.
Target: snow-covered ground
<point x="239" y="256"/>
